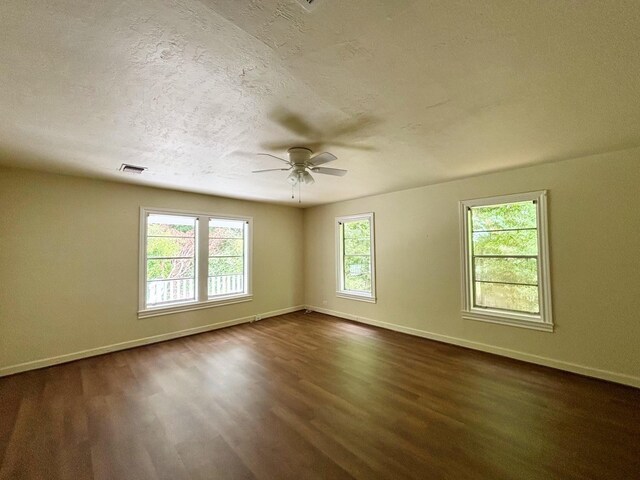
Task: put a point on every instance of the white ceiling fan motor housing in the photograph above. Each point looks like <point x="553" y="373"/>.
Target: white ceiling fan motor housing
<point x="299" y="155"/>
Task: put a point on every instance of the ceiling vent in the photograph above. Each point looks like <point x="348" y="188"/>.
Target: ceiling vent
<point x="309" y="5"/>
<point x="131" y="168"/>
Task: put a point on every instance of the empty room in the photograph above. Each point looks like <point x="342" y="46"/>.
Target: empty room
<point x="319" y="239"/>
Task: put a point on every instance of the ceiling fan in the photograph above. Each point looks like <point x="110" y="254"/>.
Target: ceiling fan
<point x="301" y="164"/>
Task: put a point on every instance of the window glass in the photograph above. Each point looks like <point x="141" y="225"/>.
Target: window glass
<point x="505" y="256"/>
<point x="170" y="269"/>
<point x="226" y="257"/>
<point x="355" y="256"/>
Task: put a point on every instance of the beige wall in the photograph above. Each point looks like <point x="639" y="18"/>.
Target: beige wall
<point x="595" y="264"/>
<point x="69" y="263"/>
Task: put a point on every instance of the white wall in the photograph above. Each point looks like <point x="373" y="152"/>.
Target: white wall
<point x="595" y="264"/>
<point x="69" y="265"/>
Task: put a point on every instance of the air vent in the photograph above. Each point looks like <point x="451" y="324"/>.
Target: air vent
<point x="132" y="168"/>
<point x="309" y="5"/>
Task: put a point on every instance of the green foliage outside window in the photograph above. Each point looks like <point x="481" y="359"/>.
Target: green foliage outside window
<point x="357" y="259"/>
<point x="504" y="250"/>
<point x="170" y="240"/>
<point x="226" y="248"/>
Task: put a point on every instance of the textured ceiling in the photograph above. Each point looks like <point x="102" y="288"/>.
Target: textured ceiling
<point x="404" y="92"/>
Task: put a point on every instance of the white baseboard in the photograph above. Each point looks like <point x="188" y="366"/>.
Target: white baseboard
<point x="92" y="352"/>
<point x="505" y="352"/>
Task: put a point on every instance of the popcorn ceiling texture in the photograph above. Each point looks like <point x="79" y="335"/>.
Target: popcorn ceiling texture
<point x="189" y="88"/>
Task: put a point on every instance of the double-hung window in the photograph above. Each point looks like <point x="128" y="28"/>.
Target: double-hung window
<point x="356" y="257"/>
<point x="506" y="260"/>
<point x="190" y="261"/>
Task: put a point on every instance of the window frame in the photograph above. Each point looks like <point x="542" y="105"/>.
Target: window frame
<point x="201" y="255"/>
<point x="340" y="290"/>
<point x="542" y="321"/>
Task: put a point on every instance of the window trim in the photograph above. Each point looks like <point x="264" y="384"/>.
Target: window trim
<point x="352" y="294"/>
<point x="201" y="259"/>
<point x="543" y="321"/>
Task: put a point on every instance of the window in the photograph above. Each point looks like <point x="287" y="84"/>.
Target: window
<point x="356" y="260"/>
<point x="506" y="260"/>
<point x="171" y="259"/>
<point x="190" y="261"/>
<point x="227" y="265"/>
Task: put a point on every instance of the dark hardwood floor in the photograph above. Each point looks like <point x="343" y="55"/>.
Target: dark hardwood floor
<point x="311" y="396"/>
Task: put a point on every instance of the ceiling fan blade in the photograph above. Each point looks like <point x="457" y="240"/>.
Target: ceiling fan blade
<point x="323" y="158"/>
<point x="273" y="170"/>
<point x="273" y="156"/>
<point x="329" y="171"/>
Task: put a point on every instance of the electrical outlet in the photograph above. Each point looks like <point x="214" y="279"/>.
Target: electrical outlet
<point x="324" y="302"/>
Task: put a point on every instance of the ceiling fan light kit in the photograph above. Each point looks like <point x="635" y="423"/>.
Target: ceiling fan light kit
<point x="297" y="177"/>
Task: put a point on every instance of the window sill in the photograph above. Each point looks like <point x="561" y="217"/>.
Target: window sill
<point x="512" y="320"/>
<point x="187" y="307"/>
<point x="362" y="297"/>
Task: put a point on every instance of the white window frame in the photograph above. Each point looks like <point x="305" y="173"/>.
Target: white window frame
<point x="202" y="299"/>
<point x="340" y="290"/>
<point x="542" y="321"/>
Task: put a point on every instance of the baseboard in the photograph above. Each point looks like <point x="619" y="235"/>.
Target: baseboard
<point x="505" y="352"/>
<point x="70" y="357"/>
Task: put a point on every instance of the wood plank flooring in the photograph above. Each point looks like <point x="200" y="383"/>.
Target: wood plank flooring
<point x="306" y="396"/>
